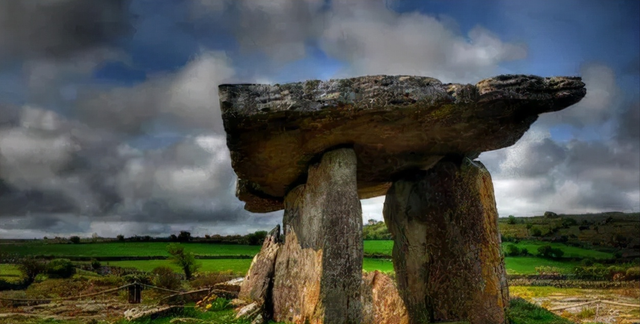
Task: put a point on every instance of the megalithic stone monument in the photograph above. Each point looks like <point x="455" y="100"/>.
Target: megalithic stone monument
<point x="315" y="148"/>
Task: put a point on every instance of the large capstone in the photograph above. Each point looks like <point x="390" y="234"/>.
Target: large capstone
<point x="393" y="123"/>
<point x="318" y="271"/>
<point x="446" y="251"/>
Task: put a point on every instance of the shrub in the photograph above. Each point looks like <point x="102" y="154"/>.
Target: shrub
<point x="30" y="269"/>
<point x="633" y="273"/>
<point x="184" y="236"/>
<point x="568" y="222"/>
<point x="525" y="252"/>
<point x="512" y="220"/>
<point x="74" y="239"/>
<point x="594" y="272"/>
<point x="60" y="268"/>
<point x="587" y="262"/>
<point x="547" y="270"/>
<point x="536" y="231"/>
<point x="185" y="260"/>
<point x="512" y="250"/>
<point x="164" y="277"/>
<point x="546" y="251"/>
<point x="256" y="238"/>
<point x="120" y="238"/>
<point x="95" y="264"/>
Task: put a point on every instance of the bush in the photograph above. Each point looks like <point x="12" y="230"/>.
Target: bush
<point x="512" y="220"/>
<point x="587" y="262"/>
<point x="184" y="236"/>
<point x="512" y="250"/>
<point x="95" y="264"/>
<point x="256" y="238"/>
<point x="633" y="273"/>
<point x="568" y="222"/>
<point x="120" y="238"/>
<point x="74" y="239"/>
<point x="599" y="272"/>
<point x="164" y="277"/>
<point x="60" y="268"/>
<point x="30" y="269"/>
<point x="536" y="231"/>
<point x="525" y="252"/>
<point x="546" y="251"/>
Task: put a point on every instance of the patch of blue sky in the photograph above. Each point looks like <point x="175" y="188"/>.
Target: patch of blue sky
<point x="119" y="73"/>
<point x="316" y="65"/>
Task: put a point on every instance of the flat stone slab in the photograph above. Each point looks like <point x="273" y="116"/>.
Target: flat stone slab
<point x="394" y="124"/>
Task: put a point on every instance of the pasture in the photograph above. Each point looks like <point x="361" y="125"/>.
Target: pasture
<point x="124" y="249"/>
<point x="230" y="255"/>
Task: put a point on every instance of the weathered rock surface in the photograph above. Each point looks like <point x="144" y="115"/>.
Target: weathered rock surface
<point x="257" y="285"/>
<point x="394" y="124"/>
<point x="446" y="250"/>
<point x="381" y="302"/>
<point x="318" y="271"/>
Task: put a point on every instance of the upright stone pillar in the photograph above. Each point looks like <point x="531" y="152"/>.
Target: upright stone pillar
<point x="318" y="271"/>
<point x="446" y="250"/>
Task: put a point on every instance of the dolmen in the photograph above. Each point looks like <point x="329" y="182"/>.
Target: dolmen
<point x="316" y="148"/>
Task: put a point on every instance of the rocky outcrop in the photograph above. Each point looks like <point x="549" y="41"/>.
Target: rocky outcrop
<point x="318" y="271"/>
<point x="446" y="250"/>
<point x="393" y="123"/>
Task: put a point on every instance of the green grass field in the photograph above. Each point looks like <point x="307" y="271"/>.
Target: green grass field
<point x="125" y="249"/>
<point x="569" y="251"/>
<point x="515" y="265"/>
<point x="239" y="266"/>
<point x="143" y="249"/>
<point x="378" y="247"/>
<point x="527" y="265"/>
<point x="9" y="272"/>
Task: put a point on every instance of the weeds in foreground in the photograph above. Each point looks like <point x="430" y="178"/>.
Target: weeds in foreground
<point x="523" y="312"/>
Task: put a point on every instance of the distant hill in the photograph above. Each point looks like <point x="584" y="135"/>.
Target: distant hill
<point x="610" y="230"/>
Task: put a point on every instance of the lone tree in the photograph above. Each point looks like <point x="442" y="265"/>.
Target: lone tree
<point x="184" y="236"/>
<point x="185" y="260"/>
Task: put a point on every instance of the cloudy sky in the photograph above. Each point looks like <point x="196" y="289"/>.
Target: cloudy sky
<point x="110" y="122"/>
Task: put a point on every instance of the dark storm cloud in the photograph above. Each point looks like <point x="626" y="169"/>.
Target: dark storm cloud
<point x="628" y="131"/>
<point x="58" y="28"/>
<point x="86" y="170"/>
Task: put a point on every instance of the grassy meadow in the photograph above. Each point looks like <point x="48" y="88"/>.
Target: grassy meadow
<point x="230" y="255"/>
<point x="124" y="249"/>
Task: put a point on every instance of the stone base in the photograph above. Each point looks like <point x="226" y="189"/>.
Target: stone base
<point x="446" y="244"/>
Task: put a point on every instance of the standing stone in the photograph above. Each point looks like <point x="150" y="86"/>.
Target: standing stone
<point x="446" y="250"/>
<point x="318" y="272"/>
<point x="258" y="283"/>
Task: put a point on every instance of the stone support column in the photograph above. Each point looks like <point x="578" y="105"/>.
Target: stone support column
<point x="318" y="270"/>
<point x="446" y="252"/>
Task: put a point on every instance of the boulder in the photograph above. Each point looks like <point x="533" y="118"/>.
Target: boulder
<point x="446" y="252"/>
<point x="393" y="123"/>
<point x="381" y="302"/>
